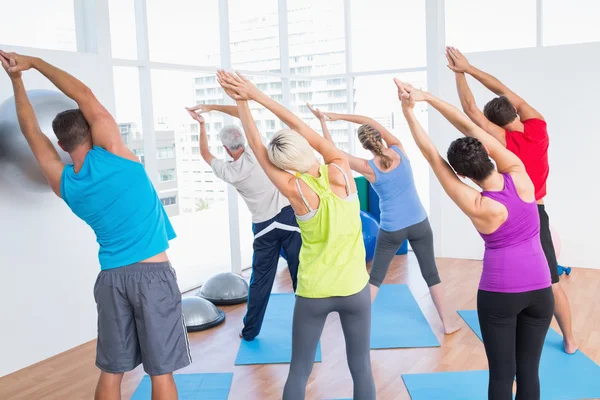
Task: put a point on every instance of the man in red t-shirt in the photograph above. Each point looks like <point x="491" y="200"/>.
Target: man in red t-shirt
<point x="522" y="129"/>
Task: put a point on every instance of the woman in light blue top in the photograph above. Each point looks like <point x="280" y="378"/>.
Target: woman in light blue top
<point x="402" y="214"/>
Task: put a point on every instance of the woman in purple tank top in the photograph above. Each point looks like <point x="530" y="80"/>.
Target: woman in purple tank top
<point x="515" y="303"/>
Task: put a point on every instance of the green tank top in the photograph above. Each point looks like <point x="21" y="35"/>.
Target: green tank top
<point x="332" y="256"/>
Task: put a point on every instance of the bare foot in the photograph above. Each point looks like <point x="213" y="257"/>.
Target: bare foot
<point x="570" y="348"/>
<point x="451" y="328"/>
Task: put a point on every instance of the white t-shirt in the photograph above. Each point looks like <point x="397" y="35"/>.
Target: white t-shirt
<point x="245" y="174"/>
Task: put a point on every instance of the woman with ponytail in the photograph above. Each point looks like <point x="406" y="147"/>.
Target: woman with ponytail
<point x="402" y="214"/>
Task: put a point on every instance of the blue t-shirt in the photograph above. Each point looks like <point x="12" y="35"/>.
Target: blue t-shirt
<point x="115" y="197"/>
<point x="399" y="202"/>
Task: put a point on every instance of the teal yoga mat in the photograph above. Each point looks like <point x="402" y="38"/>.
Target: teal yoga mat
<point x="562" y="376"/>
<point x="191" y="387"/>
<point x="467" y="385"/>
<point x="274" y="343"/>
<point x="397" y="320"/>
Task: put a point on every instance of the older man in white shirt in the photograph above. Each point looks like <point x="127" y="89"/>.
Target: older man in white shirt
<point x="273" y="220"/>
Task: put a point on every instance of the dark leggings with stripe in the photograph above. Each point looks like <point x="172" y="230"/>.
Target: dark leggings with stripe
<point x="309" y="319"/>
<point x="420" y="237"/>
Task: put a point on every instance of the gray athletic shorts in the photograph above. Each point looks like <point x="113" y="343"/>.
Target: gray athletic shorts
<point x="140" y="320"/>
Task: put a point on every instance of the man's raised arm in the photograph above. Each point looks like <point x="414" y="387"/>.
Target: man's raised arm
<point x="493" y="84"/>
<point x="104" y="129"/>
<point x="42" y="148"/>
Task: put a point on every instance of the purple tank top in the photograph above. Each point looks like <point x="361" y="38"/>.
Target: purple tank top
<point x="514" y="260"/>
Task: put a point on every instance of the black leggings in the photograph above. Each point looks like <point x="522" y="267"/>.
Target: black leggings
<point x="513" y="327"/>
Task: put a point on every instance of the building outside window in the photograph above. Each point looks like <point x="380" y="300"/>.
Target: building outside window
<point x="165" y="152"/>
<point x="166" y="175"/>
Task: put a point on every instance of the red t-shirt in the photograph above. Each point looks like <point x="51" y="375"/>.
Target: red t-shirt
<point x="531" y="146"/>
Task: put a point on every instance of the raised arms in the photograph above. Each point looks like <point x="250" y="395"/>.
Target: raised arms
<point x="230" y="110"/>
<point x="104" y="129"/>
<point x="204" y="148"/>
<point x="505" y="160"/>
<point x="388" y="138"/>
<point x="281" y="179"/>
<point x="357" y="164"/>
<point x="245" y="89"/>
<point x="322" y="120"/>
<point x="465" y="197"/>
<point x="459" y="63"/>
<point x="42" y="148"/>
<point x="467" y="101"/>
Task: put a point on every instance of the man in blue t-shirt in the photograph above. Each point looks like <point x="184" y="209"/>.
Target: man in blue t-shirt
<point x="138" y="300"/>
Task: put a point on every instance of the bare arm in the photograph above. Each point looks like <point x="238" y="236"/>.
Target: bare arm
<point x="357" y="164"/>
<point x="465" y="197"/>
<point x="281" y="179"/>
<point x="204" y="148"/>
<point x="104" y="129"/>
<point x="246" y="90"/>
<point x="42" y="148"/>
<point x="506" y="161"/>
<point x="387" y="136"/>
<point x="470" y="108"/>
<point x="326" y="133"/>
<point x="230" y="110"/>
<point x="493" y="84"/>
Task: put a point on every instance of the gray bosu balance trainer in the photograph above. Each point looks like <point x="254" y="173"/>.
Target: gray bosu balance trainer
<point x="225" y="288"/>
<point x="200" y="314"/>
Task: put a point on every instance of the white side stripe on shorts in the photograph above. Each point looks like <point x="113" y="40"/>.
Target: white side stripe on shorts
<point x="187" y="340"/>
<point x="276" y="225"/>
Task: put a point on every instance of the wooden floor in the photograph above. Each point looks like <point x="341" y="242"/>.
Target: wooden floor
<point x="72" y="375"/>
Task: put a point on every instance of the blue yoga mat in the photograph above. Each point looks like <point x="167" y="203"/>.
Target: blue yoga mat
<point x="562" y="376"/>
<point x="274" y="343"/>
<point x="397" y="320"/>
<point x="468" y="385"/>
<point x="191" y="387"/>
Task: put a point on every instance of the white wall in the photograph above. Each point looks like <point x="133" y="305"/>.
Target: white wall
<point x="562" y="83"/>
<point x="48" y="257"/>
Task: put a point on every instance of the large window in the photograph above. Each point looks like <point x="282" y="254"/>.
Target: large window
<point x="46" y="24"/>
<point x="122" y="29"/>
<point x="316" y="36"/>
<point x="475" y="25"/>
<point x="326" y="95"/>
<point x="388" y="34"/>
<point x="575" y="21"/>
<point x="184" y="31"/>
<point x="254" y="30"/>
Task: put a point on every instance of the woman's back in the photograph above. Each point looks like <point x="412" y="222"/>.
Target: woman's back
<point x="514" y="260"/>
<point x="332" y="257"/>
<point x="399" y="201"/>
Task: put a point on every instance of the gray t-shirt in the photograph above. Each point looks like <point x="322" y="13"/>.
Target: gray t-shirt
<point x="245" y="174"/>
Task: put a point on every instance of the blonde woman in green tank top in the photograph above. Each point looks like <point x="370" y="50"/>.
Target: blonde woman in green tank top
<point x="332" y="275"/>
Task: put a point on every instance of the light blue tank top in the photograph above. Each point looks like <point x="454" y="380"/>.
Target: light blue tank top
<point x="115" y="197"/>
<point x="399" y="202"/>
